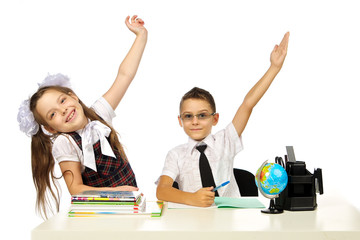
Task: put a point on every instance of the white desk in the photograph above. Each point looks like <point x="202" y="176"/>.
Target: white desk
<point x="334" y="219"/>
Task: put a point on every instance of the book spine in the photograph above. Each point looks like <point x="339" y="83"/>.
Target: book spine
<point x="103" y="199"/>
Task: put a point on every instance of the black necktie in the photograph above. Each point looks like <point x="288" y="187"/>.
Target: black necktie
<point x="206" y="175"/>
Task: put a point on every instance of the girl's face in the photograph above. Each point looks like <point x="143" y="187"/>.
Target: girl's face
<point x="197" y="118"/>
<point x="62" y="112"/>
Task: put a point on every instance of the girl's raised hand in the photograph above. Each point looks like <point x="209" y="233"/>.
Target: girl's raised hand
<point x="279" y="52"/>
<point x="136" y="25"/>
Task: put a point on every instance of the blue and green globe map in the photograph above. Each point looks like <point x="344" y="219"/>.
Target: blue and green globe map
<point x="273" y="179"/>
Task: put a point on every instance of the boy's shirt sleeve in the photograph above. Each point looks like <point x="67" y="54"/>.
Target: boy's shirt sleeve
<point x="228" y="143"/>
<point x="171" y="167"/>
<point x="234" y="143"/>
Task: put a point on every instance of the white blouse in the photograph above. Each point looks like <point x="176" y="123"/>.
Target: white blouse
<point x="65" y="148"/>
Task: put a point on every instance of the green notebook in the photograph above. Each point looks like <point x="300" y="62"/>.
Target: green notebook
<point x="225" y="202"/>
<point x="243" y="202"/>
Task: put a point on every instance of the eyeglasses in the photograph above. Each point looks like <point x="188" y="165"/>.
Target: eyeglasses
<point x="201" y="116"/>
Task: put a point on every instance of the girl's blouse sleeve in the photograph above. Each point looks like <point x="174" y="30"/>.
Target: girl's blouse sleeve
<point x="104" y="110"/>
<point x="64" y="149"/>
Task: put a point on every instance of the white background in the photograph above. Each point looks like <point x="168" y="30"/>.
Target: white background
<point x="222" y="46"/>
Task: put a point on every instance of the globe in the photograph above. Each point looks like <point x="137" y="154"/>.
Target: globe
<point x="271" y="179"/>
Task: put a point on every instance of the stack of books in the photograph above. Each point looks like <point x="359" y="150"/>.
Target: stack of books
<point x="99" y="203"/>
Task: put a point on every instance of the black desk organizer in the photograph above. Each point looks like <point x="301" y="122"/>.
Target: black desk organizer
<point x="300" y="192"/>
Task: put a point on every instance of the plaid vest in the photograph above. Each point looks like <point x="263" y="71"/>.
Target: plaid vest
<point x="111" y="172"/>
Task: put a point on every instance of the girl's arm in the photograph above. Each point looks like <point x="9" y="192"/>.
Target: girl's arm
<point x="204" y="197"/>
<point x="72" y="175"/>
<point x="255" y="94"/>
<point x="130" y="64"/>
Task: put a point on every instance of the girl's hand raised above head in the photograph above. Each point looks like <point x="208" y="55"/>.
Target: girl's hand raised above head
<point x="136" y="25"/>
<point x="279" y="52"/>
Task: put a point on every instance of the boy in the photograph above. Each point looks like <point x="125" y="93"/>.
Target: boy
<point x="206" y="161"/>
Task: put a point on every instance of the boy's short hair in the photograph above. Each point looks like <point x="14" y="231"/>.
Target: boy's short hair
<point x="199" y="93"/>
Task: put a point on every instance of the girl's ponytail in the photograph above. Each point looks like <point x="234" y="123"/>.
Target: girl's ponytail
<point x="42" y="164"/>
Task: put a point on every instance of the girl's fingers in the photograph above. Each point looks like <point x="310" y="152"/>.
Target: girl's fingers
<point x="129" y="188"/>
<point x="133" y="18"/>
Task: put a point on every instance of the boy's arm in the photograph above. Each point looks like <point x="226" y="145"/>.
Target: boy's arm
<point x="130" y="64"/>
<point x="255" y="94"/>
<point x="204" y="197"/>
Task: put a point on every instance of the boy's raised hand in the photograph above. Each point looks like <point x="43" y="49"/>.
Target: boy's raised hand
<point x="136" y="25"/>
<point x="279" y="52"/>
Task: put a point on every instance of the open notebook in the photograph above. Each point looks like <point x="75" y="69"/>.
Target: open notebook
<point x="225" y="202"/>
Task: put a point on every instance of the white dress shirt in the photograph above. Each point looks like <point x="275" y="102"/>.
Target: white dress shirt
<point x="182" y="162"/>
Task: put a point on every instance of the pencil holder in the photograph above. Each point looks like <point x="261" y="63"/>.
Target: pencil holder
<point x="300" y="192"/>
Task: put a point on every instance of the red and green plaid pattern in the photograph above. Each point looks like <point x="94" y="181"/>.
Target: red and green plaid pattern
<point x="111" y="172"/>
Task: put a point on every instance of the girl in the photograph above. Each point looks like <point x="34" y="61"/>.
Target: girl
<point x="81" y="139"/>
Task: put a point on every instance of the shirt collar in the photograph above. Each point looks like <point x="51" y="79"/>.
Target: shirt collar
<point x="192" y="144"/>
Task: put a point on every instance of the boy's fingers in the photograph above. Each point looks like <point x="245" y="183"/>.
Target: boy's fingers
<point x="211" y="194"/>
<point x="275" y="47"/>
<point x="208" y="188"/>
<point x="285" y="40"/>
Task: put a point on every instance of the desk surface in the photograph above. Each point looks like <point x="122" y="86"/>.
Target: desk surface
<point x="333" y="219"/>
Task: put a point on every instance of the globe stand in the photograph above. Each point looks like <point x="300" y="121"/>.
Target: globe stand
<point x="272" y="209"/>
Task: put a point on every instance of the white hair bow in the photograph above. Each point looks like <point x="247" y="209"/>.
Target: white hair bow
<point x="93" y="132"/>
<point x="25" y="117"/>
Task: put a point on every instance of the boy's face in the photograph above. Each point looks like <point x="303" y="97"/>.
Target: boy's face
<point x="199" y="126"/>
<point x="62" y="112"/>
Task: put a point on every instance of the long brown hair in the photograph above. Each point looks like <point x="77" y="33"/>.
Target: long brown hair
<point x="42" y="160"/>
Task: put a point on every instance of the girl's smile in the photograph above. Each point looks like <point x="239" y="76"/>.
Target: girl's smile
<point x="71" y="116"/>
